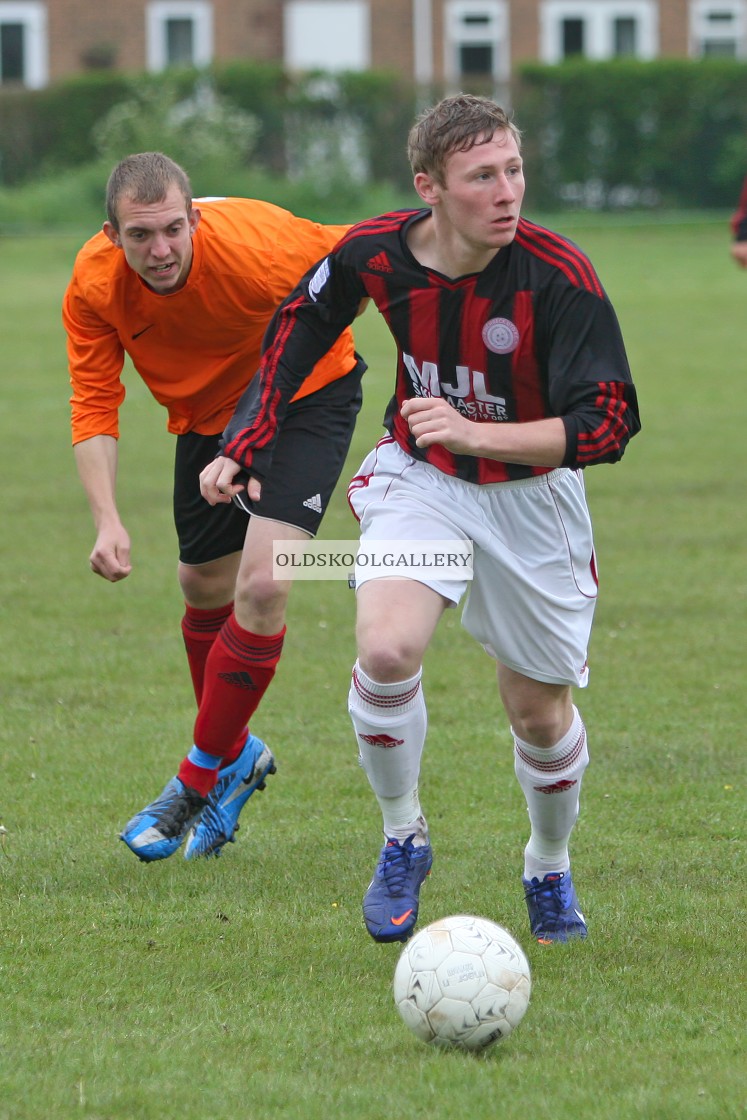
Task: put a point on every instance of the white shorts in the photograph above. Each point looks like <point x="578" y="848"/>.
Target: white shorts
<point x="534" y="588"/>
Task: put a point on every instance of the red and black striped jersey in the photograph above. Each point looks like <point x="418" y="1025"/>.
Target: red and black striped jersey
<point x="739" y="217"/>
<point x="532" y="336"/>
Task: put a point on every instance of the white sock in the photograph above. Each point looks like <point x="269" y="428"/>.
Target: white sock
<point x="390" y="723"/>
<point x="551" y="780"/>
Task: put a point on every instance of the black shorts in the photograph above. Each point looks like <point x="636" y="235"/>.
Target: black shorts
<point x="306" y="465"/>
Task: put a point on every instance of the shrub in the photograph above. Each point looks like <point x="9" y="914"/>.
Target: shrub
<point x="199" y="130"/>
<point x="625" y="133"/>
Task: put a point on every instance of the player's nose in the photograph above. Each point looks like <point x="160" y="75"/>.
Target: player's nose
<point x="504" y="189"/>
<point x="160" y="246"/>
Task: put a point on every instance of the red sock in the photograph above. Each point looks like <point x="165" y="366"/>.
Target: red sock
<point x="238" y="672"/>
<point x="200" y="629"/>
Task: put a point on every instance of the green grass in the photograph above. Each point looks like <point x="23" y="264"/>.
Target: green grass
<point x="247" y="987"/>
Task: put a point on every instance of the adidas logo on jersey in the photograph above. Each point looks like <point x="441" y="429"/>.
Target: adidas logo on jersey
<point x="379" y="263"/>
<point x="314" y="503"/>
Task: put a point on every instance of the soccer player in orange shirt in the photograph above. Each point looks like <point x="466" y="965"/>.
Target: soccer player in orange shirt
<point x="187" y="291"/>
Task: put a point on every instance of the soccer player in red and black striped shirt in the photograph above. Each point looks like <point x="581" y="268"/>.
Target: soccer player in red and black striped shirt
<point x="739" y="229"/>
<point x="511" y="377"/>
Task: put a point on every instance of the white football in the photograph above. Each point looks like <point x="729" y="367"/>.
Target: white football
<point x="462" y="982"/>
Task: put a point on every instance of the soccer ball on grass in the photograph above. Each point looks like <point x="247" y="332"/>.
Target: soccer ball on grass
<point x="462" y="982"/>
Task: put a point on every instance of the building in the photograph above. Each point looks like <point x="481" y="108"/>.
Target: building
<point x="444" y="41"/>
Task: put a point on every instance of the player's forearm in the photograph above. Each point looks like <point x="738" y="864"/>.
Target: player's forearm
<point x="96" y="460"/>
<point x="538" y="443"/>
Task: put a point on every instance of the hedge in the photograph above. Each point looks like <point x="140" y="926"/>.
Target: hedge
<point x="666" y="134"/>
<point x="619" y="134"/>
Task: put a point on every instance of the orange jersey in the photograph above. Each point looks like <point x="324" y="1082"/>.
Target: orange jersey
<point x="197" y="348"/>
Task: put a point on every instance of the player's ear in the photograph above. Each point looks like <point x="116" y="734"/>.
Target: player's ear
<point x="112" y="234"/>
<point x="426" y="187"/>
<point x="194" y="218"/>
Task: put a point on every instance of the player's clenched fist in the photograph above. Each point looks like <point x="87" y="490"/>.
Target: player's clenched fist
<point x="433" y="420"/>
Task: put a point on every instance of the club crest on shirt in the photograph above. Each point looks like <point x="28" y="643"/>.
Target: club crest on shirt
<point x="500" y="336"/>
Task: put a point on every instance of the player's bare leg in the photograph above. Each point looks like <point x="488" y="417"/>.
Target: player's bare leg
<point x="261" y="598"/>
<point x="211" y="585"/>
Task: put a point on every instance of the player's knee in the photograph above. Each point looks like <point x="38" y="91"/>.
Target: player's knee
<point x="259" y="595"/>
<point x="386" y="659"/>
<point x="539" y="713"/>
<point x="543" y="726"/>
<point x="206" y="586"/>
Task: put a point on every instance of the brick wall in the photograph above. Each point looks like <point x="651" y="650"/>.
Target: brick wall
<point x="77" y="27"/>
<point x="253" y="29"/>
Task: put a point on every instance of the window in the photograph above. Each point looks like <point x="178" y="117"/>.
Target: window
<point x="717" y="30"/>
<point x="179" y="33"/>
<point x="573" y="37"/>
<point x="475" y="60"/>
<point x="476" y="40"/>
<point x="624" y="38"/>
<point x="328" y="35"/>
<point x="598" y="29"/>
<point x="23" y="44"/>
<point x="180" y="41"/>
<point x="11" y="51"/>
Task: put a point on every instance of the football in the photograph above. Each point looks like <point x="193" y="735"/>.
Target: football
<point x="462" y="982"/>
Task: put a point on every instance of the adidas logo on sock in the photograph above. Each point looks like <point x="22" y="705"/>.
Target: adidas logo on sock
<point x="241" y="680"/>
<point x="556" y="787"/>
<point x="314" y="503"/>
<point x="382" y="740"/>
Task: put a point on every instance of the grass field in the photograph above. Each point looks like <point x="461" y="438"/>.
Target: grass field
<point x="247" y="987"/>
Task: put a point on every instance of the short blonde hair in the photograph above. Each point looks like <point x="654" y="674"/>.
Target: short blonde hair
<point x="145" y="178"/>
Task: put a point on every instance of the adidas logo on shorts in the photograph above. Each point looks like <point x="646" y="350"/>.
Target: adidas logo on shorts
<point x="314" y="503"/>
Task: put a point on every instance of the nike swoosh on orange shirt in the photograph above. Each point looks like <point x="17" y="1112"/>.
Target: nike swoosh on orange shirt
<point x="401" y="918"/>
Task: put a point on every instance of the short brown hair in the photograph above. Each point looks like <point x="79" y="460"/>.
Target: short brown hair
<point x="455" y="124"/>
<point x="145" y="178"/>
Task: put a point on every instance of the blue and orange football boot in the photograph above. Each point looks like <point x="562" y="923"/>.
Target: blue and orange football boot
<point x="554" y="912"/>
<point x="390" y="905"/>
